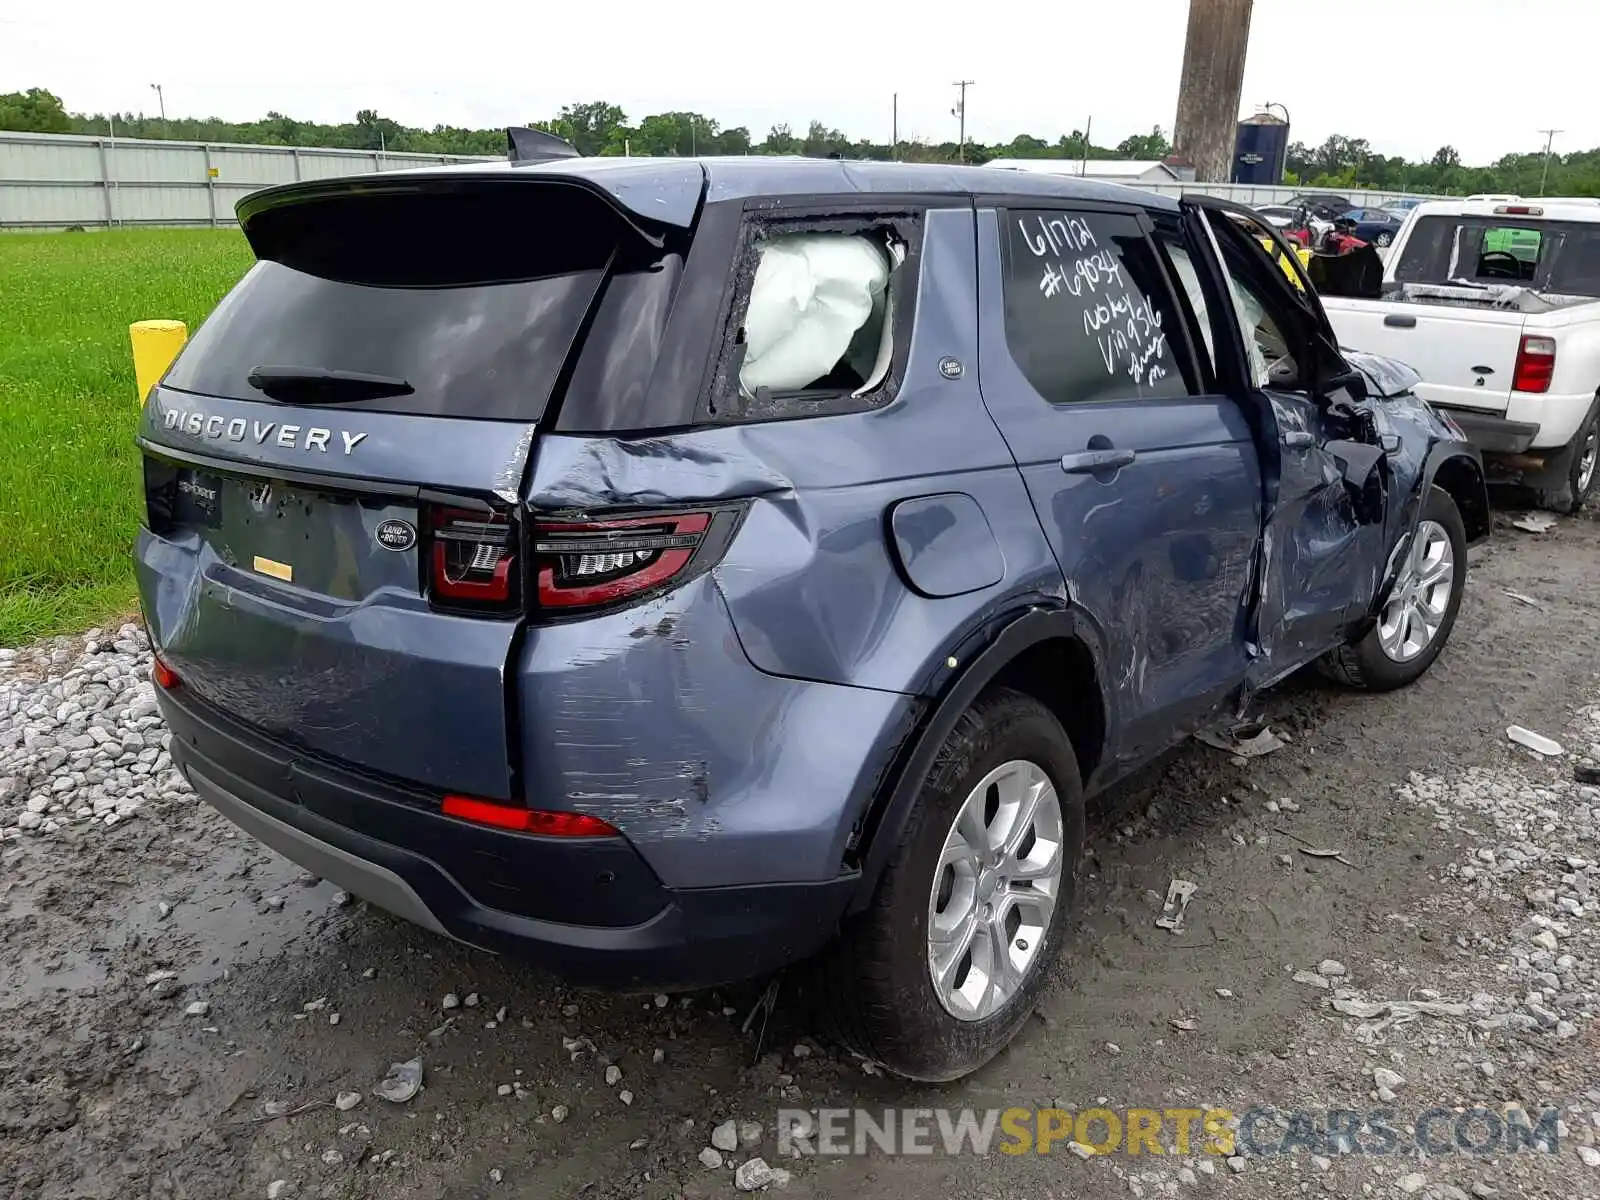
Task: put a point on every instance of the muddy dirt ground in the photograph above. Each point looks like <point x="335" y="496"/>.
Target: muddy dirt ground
<point x="108" y="1088"/>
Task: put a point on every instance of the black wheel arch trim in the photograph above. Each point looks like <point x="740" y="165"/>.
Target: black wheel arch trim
<point x="1474" y="506"/>
<point x="886" y="817"/>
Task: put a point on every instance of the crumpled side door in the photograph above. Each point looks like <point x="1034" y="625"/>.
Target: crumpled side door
<point x="1325" y="476"/>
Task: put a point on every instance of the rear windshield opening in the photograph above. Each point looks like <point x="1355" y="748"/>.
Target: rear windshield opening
<point x="473" y="298"/>
<point x="1561" y="258"/>
<point x="821" y="314"/>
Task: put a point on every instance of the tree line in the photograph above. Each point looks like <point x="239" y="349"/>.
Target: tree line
<point x="599" y="128"/>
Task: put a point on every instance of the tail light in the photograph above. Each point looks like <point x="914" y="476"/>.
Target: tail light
<point x="527" y="820"/>
<point x="1536" y="364"/>
<point x="166" y="678"/>
<point x="474" y="557"/>
<point x="585" y="565"/>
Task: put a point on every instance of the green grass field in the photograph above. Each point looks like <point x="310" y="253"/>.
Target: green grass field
<point x="69" y="474"/>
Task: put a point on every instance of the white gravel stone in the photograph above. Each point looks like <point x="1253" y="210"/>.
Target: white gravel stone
<point x="711" y="1158"/>
<point x="725" y="1136"/>
<point x="1386" y="1079"/>
<point x="613" y="1076"/>
<point x="752" y="1175"/>
<point x="1590" y="1156"/>
<point x="1412" y="1183"/>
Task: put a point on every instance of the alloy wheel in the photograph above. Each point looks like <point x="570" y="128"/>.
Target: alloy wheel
<point x="996" y="886"/>
<point x="1586" y="459"/>
<point x="1421" y="595"/>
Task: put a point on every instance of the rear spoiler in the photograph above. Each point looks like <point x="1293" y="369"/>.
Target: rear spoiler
<point x="535" y="145"/>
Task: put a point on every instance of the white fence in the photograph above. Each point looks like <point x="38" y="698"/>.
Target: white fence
<point x="50" y="181"/>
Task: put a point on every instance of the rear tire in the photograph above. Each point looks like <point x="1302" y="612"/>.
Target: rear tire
<point x="1416" y="622"/>
<point x="1581" y="473"/>
<point x="877" y="983"/>
<point x="1384" y="239"/>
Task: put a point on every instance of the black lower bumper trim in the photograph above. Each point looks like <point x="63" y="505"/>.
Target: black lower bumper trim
<point x="1492" y="434"/>
<point x="692" y="938"/>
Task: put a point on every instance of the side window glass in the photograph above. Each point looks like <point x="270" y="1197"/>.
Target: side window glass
<point x="1267" y="350"/>
<point x="1189" y="281"/>
<point x="1087" y="313"/>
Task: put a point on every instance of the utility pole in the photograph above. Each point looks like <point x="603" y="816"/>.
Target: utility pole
<point x="1207" y="121"/>
<point x="1083" y="166"/>
<point x="1549" y="141"/>
<point x="160" y="99"/>
<point x="960" y="111"/>
<point x="894" y="131"/>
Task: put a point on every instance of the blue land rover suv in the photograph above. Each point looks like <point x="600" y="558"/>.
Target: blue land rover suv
<point x="676" y="570"/>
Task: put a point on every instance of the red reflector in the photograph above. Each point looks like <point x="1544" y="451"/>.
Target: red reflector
<point x="527" y="820"/>
<point x="1536" y="364"/>
<point x="166" y="678"/>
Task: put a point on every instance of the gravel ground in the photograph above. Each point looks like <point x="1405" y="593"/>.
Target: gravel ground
<point x="183" y="1014"/>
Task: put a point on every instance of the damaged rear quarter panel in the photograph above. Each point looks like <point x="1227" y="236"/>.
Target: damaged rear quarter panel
<point x="654" y="720"/>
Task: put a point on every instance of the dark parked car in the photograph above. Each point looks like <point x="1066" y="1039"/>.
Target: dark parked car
<point x="1326" y="205"/>
<point x="1376" y="226"/>
<point x="675" y="570"/>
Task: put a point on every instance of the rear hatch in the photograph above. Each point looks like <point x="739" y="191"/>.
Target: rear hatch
<point x="334" y="465"/>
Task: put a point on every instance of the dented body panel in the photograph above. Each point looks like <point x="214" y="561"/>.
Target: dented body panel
<point x="648" y="718"/>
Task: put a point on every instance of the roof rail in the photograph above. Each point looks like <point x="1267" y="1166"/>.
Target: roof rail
<point x="535" y="145"/>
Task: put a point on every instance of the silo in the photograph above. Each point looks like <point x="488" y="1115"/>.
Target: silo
<point x="1208" y="92"/>
<point x="1260" y="150"/>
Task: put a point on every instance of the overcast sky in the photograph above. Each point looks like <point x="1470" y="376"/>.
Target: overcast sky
<point x="1408" y="75"/>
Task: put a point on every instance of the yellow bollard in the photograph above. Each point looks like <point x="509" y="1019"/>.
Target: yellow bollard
<point x="155" y="345"/>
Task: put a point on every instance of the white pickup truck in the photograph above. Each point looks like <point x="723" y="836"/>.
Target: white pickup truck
<point x="1496" y="303"/>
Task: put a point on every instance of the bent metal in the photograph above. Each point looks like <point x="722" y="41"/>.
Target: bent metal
<point x="290" y="437"/>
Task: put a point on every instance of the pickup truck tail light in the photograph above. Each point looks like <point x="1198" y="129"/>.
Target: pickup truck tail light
<point x="1536" y="364"/>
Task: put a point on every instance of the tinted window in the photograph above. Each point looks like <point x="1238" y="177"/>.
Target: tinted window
<point x="489" y="350"/>
<point x="1086" y="308"/>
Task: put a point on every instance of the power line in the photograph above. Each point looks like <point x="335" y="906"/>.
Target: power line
<point x="960" y="111"/>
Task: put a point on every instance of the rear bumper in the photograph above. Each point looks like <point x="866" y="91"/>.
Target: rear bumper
<point x="376" y="841"/>
<point x="1493" y="434"/>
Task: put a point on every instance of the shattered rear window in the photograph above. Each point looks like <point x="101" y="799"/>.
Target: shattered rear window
<point x="820" y="317"/>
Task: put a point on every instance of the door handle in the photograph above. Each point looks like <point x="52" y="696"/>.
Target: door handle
<point x="1090" y="462"/>
<point x="1400" y="321"/>
<point x="1298" y="439"/>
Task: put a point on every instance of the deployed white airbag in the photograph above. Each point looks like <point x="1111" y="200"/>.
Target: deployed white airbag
<point x="813" y="294"/>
